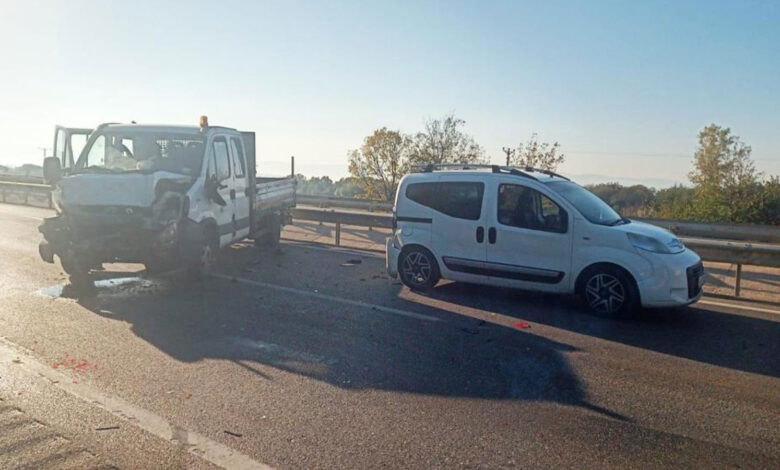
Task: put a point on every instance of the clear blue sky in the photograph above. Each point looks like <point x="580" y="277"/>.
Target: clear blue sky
<point x="623" y="86"/>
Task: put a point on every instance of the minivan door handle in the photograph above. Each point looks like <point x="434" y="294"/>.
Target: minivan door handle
<point x="492" y="235"/>
<point x="480" y="234"/>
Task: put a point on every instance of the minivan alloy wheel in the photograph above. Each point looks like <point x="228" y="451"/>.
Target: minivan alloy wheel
<point x="605" y="293"/>
<point x="417" y="267"/>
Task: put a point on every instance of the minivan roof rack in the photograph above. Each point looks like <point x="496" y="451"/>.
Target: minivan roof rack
<point x="546" y="172"/>
<point x="431" y="167"/>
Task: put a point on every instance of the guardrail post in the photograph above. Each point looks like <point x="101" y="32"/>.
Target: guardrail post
<point x="338" y="233"/>
<point x="738" y="282"/>
<point x="51" y="203"/>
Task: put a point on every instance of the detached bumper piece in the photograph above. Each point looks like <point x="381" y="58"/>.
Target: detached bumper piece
<point x="694" y="274"/>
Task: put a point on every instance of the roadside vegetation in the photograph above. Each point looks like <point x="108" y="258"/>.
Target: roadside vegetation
<point x="724" y="186"/>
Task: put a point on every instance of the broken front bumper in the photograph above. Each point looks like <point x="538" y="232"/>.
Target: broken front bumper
<point x="105" y="239"/>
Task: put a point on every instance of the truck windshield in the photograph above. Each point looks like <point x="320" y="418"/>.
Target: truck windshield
<point x="143" y="151"/>
<point x="588" y="204"/>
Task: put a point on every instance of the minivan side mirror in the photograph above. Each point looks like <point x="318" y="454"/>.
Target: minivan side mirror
<point x="52" y="172"/>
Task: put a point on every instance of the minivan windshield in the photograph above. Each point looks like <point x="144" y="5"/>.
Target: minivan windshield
<point x="142" y="151"/>
<point x="588" y="204"/>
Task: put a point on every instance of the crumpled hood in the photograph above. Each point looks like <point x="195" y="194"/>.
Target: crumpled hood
<point x="122" y="189"/>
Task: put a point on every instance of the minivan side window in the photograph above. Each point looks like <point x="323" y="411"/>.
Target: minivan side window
<point x="462" y="200"/>
<point x="521" y="206"/>
<point x="421" y="193"/>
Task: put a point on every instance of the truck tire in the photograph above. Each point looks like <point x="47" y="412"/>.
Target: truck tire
<point x="201" y="265"/>
<point x="78" y="273"/>
<point x="270" y="239"/>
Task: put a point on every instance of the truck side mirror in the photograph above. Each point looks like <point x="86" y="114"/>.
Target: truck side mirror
<point x="52" y="172"/>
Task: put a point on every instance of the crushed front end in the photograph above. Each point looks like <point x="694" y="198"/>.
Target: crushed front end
<point x="84" y="236"/>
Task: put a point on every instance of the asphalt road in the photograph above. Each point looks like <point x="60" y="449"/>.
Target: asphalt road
<point x="309" y="357"/>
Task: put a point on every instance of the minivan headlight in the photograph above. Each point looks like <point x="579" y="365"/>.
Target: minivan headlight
<point x="643" y="242"/>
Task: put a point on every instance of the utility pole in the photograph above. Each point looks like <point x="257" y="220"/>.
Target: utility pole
<point x="44" y="151"/>
<point x="509" y="153"/>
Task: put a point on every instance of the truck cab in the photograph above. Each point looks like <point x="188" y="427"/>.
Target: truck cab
<point x="161" y="195"/>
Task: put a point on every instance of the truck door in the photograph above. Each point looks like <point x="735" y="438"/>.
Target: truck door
<point x="68" y="143"/>
<point x="458" y="234"/>
<point x="240" y="181"/>
<point x="529" y="237"/>
<point x="220" y="169"/>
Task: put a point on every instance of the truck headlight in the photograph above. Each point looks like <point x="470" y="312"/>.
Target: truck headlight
<point x="654" y="245"/>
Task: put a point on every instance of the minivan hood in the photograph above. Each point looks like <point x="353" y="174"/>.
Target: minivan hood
<point x="122" y="189"/>
<point x="648" y="230"/>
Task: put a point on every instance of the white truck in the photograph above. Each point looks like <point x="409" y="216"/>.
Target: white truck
<point x="165" y="196"/>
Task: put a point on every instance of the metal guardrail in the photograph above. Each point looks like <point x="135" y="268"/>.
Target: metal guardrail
<point x="703" y="238"/>
<point x="742" y="232"/>
<point x="23" y="191"/>
<point x="345" y="203"/>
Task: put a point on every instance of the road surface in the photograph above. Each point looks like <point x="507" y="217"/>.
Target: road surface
<point x="309" y="357"/>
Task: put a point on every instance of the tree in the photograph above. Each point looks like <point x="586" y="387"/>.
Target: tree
<point x="635" y="200"/>
<point x="537" y="155"/>
<point x="443" y="141"/>
<point x="727" y="183"/>
<point x="722" y="160"/>
<point x="380" y="163"/>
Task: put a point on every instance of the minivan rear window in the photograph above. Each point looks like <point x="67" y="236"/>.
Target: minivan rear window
<point x="462" y="200"/>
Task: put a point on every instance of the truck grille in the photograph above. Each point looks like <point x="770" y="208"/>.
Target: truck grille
<point x="694" y="273"/>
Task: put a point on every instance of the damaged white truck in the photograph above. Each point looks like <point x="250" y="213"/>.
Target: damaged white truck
<point x="165" y="196"/>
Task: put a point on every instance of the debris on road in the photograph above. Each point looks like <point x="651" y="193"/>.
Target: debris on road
<point x="522" y="325"/>
<point x="352" y="262"/>
<point x="234" y="434"/>
<point x="107" y="428"/>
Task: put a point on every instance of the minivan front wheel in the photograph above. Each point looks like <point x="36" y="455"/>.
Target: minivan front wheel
<point x="418" y="269"/>
<point x="610" y="291"/>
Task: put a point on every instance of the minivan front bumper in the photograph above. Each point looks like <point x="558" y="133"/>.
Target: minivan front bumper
<point x="677" y="280"/>
<point x="391" y="258"/>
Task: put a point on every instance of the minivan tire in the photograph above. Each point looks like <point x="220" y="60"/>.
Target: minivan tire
<point x="609" y="291"/>
<point x="418" y="269"/>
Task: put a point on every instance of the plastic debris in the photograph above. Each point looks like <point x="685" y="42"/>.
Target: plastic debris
<point x="522" y="325"/>
<point x="106" y="428"/>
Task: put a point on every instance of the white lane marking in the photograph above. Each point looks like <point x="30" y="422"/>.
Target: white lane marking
<point x="332" y="298"/>
<point x="737" y="306"/>
<point x="196" y="444"/>
<point x="282" y="352"/>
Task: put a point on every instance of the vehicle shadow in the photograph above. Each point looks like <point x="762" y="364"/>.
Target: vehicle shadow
<point x="736" y="341"/>
<point x="345" y="346"/>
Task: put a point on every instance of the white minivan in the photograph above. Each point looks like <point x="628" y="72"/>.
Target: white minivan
<point x="537" y="230"/>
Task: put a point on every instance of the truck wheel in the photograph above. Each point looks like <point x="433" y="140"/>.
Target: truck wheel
<point x="270" y="239"/>
<point x="202" y="265"/>
<point x="78" y="274"/>
<point x="418" y="269"/>
<point x="609" y="291"/>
